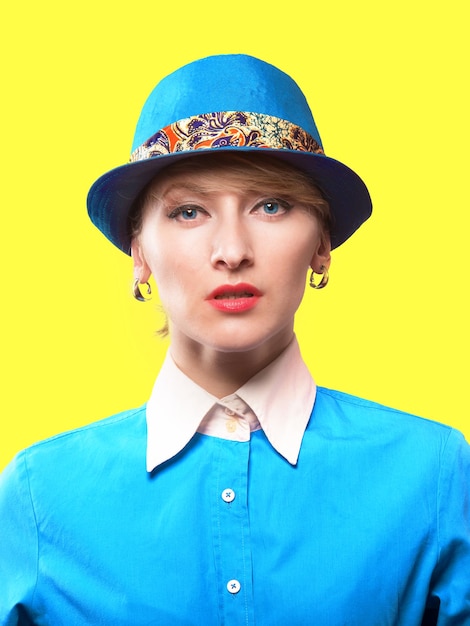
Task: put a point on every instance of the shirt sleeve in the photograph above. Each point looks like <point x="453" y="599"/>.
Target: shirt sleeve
<point x="18" y="545"/>
<point x="450" y="585"/>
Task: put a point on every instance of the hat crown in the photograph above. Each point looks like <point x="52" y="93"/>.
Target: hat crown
<point x="232" y="82"/>
<point x="226" y="103"/>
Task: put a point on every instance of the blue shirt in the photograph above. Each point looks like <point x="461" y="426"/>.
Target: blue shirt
<point x="368" y="528"/>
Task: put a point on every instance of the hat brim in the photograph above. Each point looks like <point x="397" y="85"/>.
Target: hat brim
<point x="112" y="196"/>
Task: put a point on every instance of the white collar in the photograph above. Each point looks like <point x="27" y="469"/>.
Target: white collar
<point x="281" y="396"/>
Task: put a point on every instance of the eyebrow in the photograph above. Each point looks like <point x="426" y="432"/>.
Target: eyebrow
<point x="184" y="186"/>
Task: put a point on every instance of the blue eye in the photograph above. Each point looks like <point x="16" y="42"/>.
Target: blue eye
<point x="188" y="214"/>
<point x="184" y="213"/>
<point x="271" y="208"/>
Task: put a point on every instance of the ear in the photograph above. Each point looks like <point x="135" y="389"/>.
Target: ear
<point x="142" y="271"/>
<point x="321" y="260"/>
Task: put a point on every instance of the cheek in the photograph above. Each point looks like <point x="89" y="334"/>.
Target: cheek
<point x="175" y="279"/>
<point x="300" y="252"/>
<point x="294" y="264"/>
<point x="289" y="277"/>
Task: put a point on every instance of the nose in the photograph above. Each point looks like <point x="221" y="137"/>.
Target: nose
<point x="231" y="246"/>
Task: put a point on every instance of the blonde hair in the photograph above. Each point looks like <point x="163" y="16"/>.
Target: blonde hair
<point x="246" y="171"/>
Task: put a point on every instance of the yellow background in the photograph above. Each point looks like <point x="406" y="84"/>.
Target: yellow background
<point x="388" y="85"/>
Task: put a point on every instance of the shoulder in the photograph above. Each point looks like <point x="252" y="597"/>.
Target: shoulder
<point x="353" y="416"/>
<point x="114" y="424"/>
<point x="117" y="436"/>
<point x="58" y="472"/>
<point x="405" y="450"/>
<point x="354" y="406"/>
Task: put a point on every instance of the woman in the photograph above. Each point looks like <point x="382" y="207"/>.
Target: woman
<point x="265" y="500"/>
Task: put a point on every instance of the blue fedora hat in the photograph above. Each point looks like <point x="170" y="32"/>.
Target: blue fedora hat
<point x="229" y="102"/>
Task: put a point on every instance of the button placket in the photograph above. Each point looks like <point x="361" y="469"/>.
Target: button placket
<point x="233" y="555"/>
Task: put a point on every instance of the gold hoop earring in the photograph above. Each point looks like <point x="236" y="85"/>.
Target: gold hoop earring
<point x="324" y="279"/>
<point x="138" y="294"/>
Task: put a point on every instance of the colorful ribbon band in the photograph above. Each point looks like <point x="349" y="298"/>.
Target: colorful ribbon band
<point x="227" y="129"/>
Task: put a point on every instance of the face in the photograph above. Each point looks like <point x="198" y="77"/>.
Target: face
<point x="229" y="263"/>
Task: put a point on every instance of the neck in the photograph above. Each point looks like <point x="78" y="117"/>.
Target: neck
<point x="222" y="373"/>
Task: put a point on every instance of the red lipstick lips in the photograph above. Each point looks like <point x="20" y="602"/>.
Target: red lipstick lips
<point x="234" y="298"/>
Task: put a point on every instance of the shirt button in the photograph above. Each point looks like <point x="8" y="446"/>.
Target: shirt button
<point x="233" y="586"/>
<point x="228" y="495"/>
<point x="231" y="425"/>
<point x="229" y="411"/>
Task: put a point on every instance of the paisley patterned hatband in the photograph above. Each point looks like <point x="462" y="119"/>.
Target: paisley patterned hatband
<point x="227" y="129"/>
